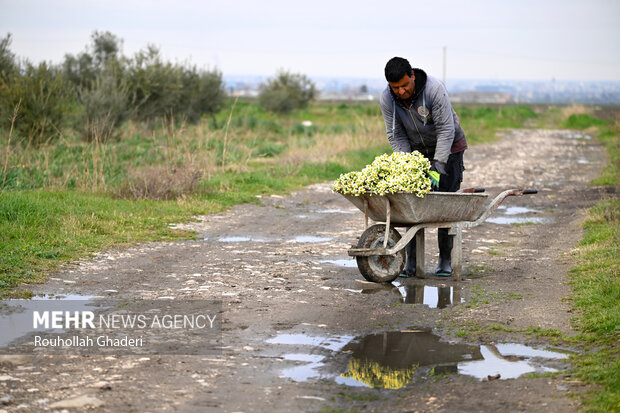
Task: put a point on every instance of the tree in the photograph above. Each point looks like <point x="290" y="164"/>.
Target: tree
<point x="105" y="106"/>
<point x="43" y="97"/>
<point x="161" y="89"/>
<point x="203" y="93"/>
<point x="286" y="91"/>
<point x="8" y="66"/>
<point x="102" y="55"/>
<point x="105" y="48"/>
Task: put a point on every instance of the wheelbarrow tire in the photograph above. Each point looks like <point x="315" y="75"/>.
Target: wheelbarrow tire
<point x="380" y="268"/>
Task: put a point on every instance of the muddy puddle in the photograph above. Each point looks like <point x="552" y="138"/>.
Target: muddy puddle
<point x="249" y="238"/>
<point x="239" y="239"/>
<point x="16" y="315"/>
<point x="309" y="239"/>
<point x="439" y="296"/>
<point x="516" y="215"/>
<point x="337" y="211"/>
<point x="341" y="262"/>
<point x="394" y="359"/>
<point x="576" y="136"/>
<point x="433" y="296"/>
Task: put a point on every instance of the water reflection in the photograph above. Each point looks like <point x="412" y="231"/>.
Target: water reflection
<point x="393" y="359"/>
<point x="432" y="296"/>
<point x="509" y="361"/>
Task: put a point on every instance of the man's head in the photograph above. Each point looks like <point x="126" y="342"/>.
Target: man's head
<point x="400" y="77"/>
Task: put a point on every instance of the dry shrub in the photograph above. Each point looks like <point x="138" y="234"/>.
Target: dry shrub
<point x="327" y="145"/>
<point x="160" y="182"/>
<point x="575" y="109"/>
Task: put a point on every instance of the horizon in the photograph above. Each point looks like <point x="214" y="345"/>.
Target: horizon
<point x="379" y="78"/>
<point x="565" y="40"/>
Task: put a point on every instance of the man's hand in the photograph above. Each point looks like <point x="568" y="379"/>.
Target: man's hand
<point x="437" y="169"/>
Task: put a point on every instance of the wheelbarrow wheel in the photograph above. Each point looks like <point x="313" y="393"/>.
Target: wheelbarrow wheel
<point x="380" y="268"/>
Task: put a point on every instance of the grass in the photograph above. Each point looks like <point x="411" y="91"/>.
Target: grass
<point x="596" y="295"/>
<point x="475" y="330"/>
<point x="42" y="228"/>
<point x="481" y="122"/>
<point x="367" y="397"/>
<point x="595" y="280"/>
<point x="481" y="296"/>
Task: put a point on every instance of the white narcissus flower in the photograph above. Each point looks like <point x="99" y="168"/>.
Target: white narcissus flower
<point x="397" y="172"/>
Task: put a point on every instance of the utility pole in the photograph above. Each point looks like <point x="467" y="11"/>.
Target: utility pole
<point x="445" y="52"/>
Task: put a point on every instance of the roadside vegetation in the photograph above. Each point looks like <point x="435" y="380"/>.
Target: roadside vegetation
<point x="596" y="277"/>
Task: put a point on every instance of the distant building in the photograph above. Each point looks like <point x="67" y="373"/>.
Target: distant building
<point x="480" y="96"/>
<point x="460" y="90"/>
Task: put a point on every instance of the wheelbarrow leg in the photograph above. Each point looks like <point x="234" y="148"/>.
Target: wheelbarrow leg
<point x="419" y="254"/>
<point x="457" y="252"/>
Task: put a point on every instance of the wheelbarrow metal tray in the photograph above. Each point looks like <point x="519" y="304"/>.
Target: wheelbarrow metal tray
<point x="408" y="209"/>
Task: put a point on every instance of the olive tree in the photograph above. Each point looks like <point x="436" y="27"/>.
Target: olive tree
<point x="286" y="91"/>
<point x="160" y="89"/>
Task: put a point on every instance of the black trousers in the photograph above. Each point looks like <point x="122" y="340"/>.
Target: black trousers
<point x="451" y="182"/>
<point x="454" y="168"/>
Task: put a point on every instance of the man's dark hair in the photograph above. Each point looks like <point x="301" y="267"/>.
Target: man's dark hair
<point x="396" y="68"/>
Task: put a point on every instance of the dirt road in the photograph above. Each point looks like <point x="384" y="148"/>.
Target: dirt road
<point x="302" y="331"/>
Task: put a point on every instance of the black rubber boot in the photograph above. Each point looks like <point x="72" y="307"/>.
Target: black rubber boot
<point x="409" y="270"/>
<point x="444" y="241"/>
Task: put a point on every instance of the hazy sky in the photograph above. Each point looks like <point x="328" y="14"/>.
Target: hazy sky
<point x="493" y="39"/>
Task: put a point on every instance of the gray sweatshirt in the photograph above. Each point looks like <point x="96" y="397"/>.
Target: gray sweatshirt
<point x="430" y="125"/>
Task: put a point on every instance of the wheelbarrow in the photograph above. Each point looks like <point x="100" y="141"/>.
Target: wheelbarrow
<point x="382" y="258"/>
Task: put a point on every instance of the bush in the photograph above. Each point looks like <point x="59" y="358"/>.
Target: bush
<point x="153" y="85"/>
<point x="285" y="92"/>
<point x="163" y="90"/>
<point x="82" y="70"/>
<point x="105" y="107"/>
<point x="8" y="66"/>
<point x="202" y="93"/>
<point x="160" y="182"/>
<point x="43" y="96"/>
<point x="583" y="121"/>
<point x="106" y="84"/>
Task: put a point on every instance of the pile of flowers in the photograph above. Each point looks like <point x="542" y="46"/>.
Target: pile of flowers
<point x="388" y="174"/>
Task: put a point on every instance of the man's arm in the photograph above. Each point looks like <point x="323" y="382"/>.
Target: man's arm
<point x="441" y="111"/>
<point x="396" y="135"/>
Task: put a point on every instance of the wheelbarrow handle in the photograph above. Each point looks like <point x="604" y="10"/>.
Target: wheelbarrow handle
<point x="496" y="202"/>
<point x="472" y="190"/>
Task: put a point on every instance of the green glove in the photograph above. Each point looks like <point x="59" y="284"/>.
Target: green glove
<point x="437" y="169"/>
<point x="434" y="175"/>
